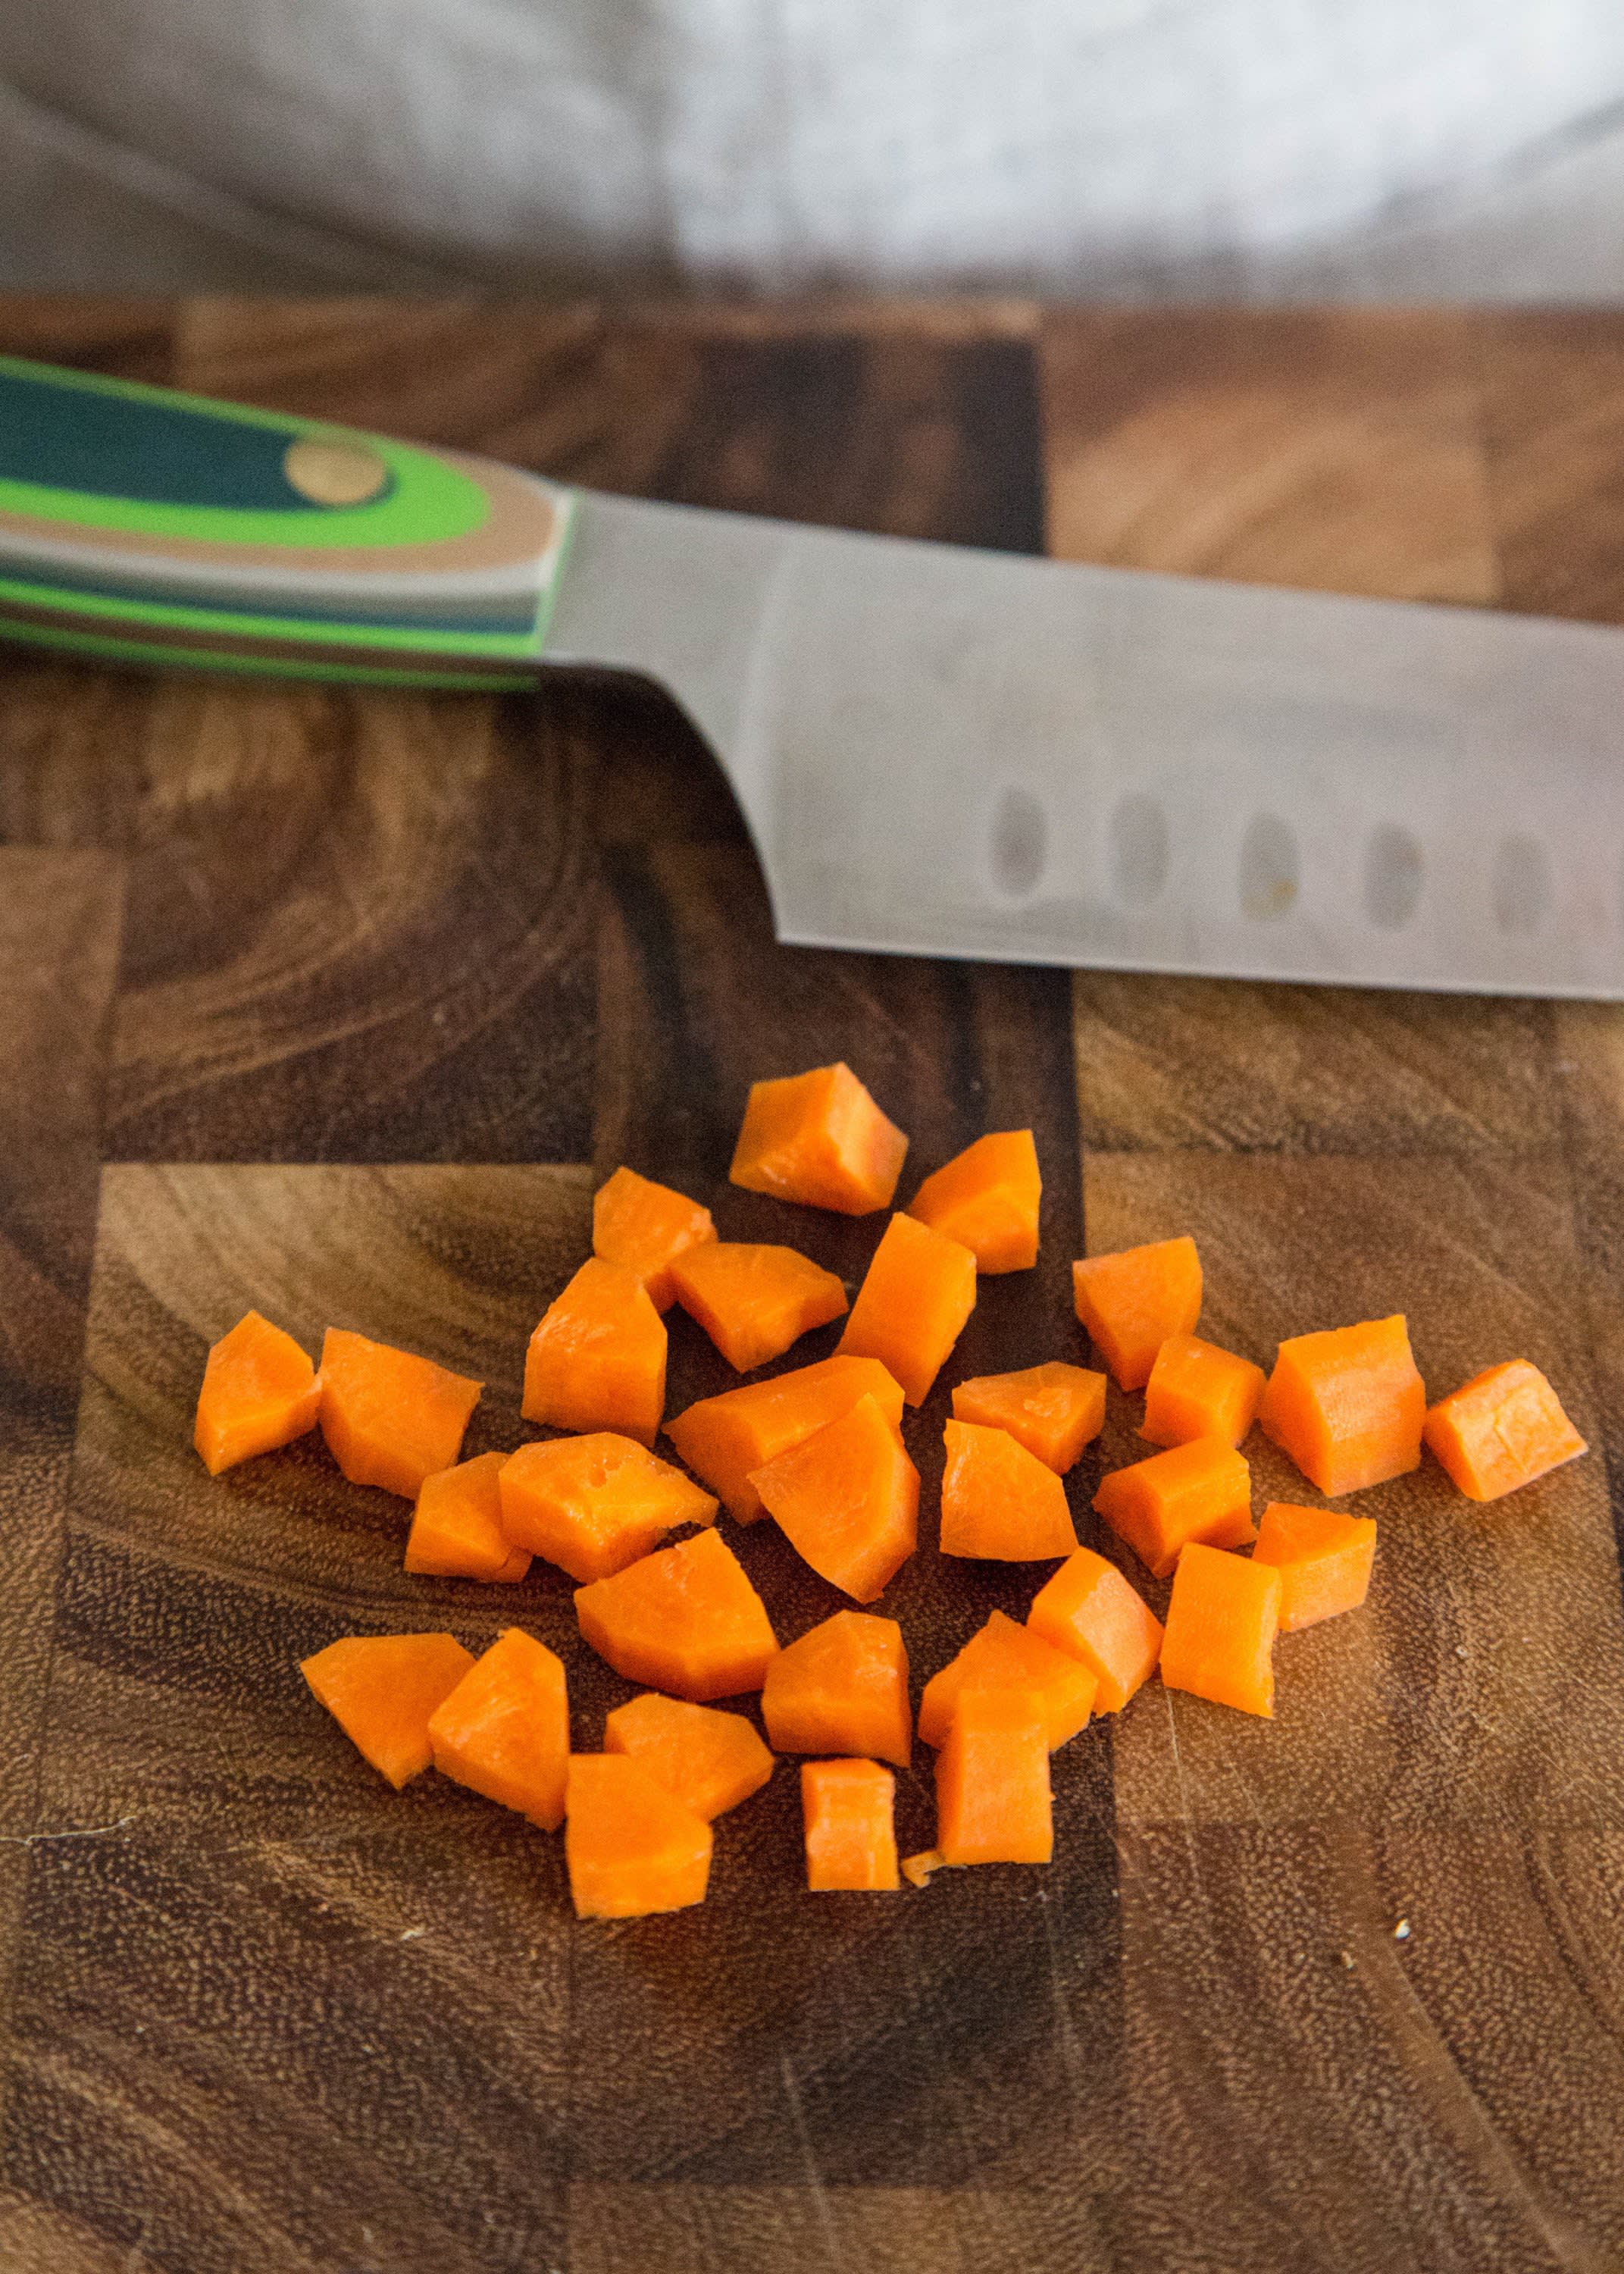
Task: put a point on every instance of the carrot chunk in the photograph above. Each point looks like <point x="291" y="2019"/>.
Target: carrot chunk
<point x="685" y="1619"/>
<point x="646" y="1226"/>
<point x="821" y="1139"/>
<point x="846" y="1499"/>
<point x="456" y="1526"/>
<point x="260" y="1392"/>
<point x="723" y="1439"/>
<point x="504" y="1731"/>
<point x="1088" y="1610"/>
<point x="1131" y="1302"/>
<point x="993" y="1802"/>
<point x="1197" y="1391"/>
<point x="842" y="1689"/>
<point x="1005" y="1656"/>
<point x="381" y="1690"/>
<point x="597" y="1359"/>
<point x="710" y="1760"/>
<point x="390" y="1418"/>
<point x="594" y="1504"/>
<point x="630" y="1846"/>
<point x="1053" y="1410"/>
<point x="1221" y="1627"/>
<point x="912" y="1305"/>
<point x="1501" y="1429"/>
<point x="987" y="1199"/>
<point x="1348" y="1405"/>
<point x="999" y="1500"/>
<point x="848" y="1807"/>
<point x="754" y="1301"/>
<point x="1323" y="1558"/>
<point x="1200" y="1491"/>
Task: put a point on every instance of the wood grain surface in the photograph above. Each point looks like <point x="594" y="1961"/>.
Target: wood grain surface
<point x="340" y="1004"/>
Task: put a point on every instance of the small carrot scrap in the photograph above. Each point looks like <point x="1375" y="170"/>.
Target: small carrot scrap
<point x="1005" y="1656"/>
<point x="913" y="1303"/>
<point x="630" y="1847"/>
<point x="724" y="1438"/>
<point x="594" y="1504"/>
<point x="390" y="1418"/>
<point x="456" y="1526"/>
<point x="850" y="1828"/>
<point x="598" y="1358"/>
<point x="987" y="1199"/>
<point x="504" y="1731"/>
<point x="846" y="1499"/>
<point x="685" y="1619"/>
<point x="1348" y="1405"/>
<point x="999" y="1500"/>
<point x="1501" y="1429"/>
<point x="1221" y="1627"/>
<point x="1089" y="1610"/>
<point x="993" y="1798"/>
<point x="1053" y="1410"/>
<point x="819" y="1138"/>
<point x="753" y="1300"/>
<point x="646" y="1226"/>
<point x="260" y="1392"/>
<point x="1131" y="1302"/>
<point x="916" y="1870"/>
<point x="1323" y="1558"/>
<point x="710" y="1759"/>
<point x="1196" y="1390"/>
<point x="381" y="1690"/>
<point x="1200" y="1491"/>
<point x="842" y="1687"/>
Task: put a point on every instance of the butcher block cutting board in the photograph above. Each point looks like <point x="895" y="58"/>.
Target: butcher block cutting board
<point x="339" y="1005"/>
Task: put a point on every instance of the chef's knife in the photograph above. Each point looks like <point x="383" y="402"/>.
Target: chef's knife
<point x="937" y="751"/>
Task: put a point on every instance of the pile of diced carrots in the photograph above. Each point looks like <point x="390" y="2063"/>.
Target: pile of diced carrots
<point x="821" y="1451"/>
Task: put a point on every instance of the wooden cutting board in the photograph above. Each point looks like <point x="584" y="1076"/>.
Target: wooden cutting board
<point x="339" y="1004"/>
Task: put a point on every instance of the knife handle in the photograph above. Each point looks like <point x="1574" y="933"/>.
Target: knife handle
<point x="144" y="526"/>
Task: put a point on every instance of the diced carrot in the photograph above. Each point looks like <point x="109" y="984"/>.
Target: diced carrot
<point x="1089" y="1610"/>
<point x="1323" y="1558"/>
<point x="630" y="1846"/>
<point x="1131" y="1302"/>
<point x="1348" y="1405"/>
<point x="685" y="1619"/>
<point x="987" y="1199"/>
<point x="1005" y="1656"/>
<point x="754" y="1301"/>
<point x="1221" y="1627"/>
<point x="1197" y="1391"/>
<point x="846" y="1499"/>
<point x="916" y="1870"/>
<point x="1053" y="1410"/>
<point x="504" y="1731"/>
<point x="646" y="1226"/>
<point x="1501" y="1429"/>
<point x="260" y="1392"/>
<point x="724" y="1438"/>
<point x="1200" y="1491"/>
<point x="912" y="1305"/>
<point x="993" y="1802"/>
<point x="999" y="1500"/>
<point x="597" y="1359"/>
<point x="842" y="1689"/>
<point x="594" y="1504"/>
<point x="456" y="1526"/>
<point x="391" y="1418"/>
<point x="710" y="1759"/>
<point x="381" y="1690"/>
<point x="850" y="1829"/>
<point x="821" y="1139"/>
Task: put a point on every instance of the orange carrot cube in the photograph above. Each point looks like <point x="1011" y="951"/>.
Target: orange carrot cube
<point x="754" y="1301"/>
<point x="993" y="1799"/>
<point x="846" y="1499"/>
<point x="1089" y="1610"/>
<point x="1200" y="1491"/>
<point x="1053" y="1410"/>
<point x="630" y="1846"/>
<point x="842" y="1687"/>
<point x="1005" y="1656"/>
<point x="646" y="1226"/>
<point x="819" y="1138"/>
<point x="710" y="1759"/>
<point x="456" y="1526"/>
<point x="913" y="1303"/>
<point x="1348" y="1404"/>
<point x="1501" y="1429"/>
<point x="1131" y="1302"/>
<point x="390" y="1418"/>
<point x="594" y="1504"/>
<point x="723" y="1439"/>
<point x="381" y="1689"/>
<point x="597" y="1359"/>
<point x="850" y="1830"/>
<point x="260" y="1392"/>
<point x="1323" y="1558"/>
<point x="987" y="1199"/>
<point x="504" y="1731"/>
<point x="685" y="1619"/>
<point x="1221" y="1627"/>
<point x="999" y="1500"/>
<point x="1197" y="1391"/>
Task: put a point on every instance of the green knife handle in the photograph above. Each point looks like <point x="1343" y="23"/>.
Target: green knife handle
<point x="146" y="526"/>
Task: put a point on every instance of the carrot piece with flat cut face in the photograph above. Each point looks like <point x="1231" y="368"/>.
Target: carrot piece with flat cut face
<point x="819" y="1138"/>
<point x="1131" y="1302"/>
<point x="846" y="1499"/>
<point x="1200" y="1491"/>
<point x="630" y="1846"/>
<point x="685" y="1619"/>
<point x="598" y="1358"/>
<point x="1348" y="1404"/>
<point x="260" y="1392"/>
<point x="999" y="1500"/>
<point x="381" y="1689"/>
<point x="710" y="1759"/>
<point x="1088" y="1610"/>
<point x="842" y="1687"/>
<point x="913" y="1303"/>
<point x="594" y="1504"/>
<point x="724" y="1438"/>
<point x="1005" y="1656"/>
<point x="987" y="1199"/>
<point x="1053" y="1410"/>
<point x="504" y="1731"/>
<point x="1221" y="1627"/>
<point x="848" y="1807"/>
<point x="755" y="1300"/>
<point x="646" y="1226"/>
<point x="456" y="1526"/>
<point x="1196" y="1390"/>
<point x="1323" y="1558"/>
<point x="993" y="1797"/>
<point x="389" y="1418"/>
<point x="1501" y="1429"/>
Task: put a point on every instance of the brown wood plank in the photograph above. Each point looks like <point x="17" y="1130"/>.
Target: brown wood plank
<point x="1553" y="443"/>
